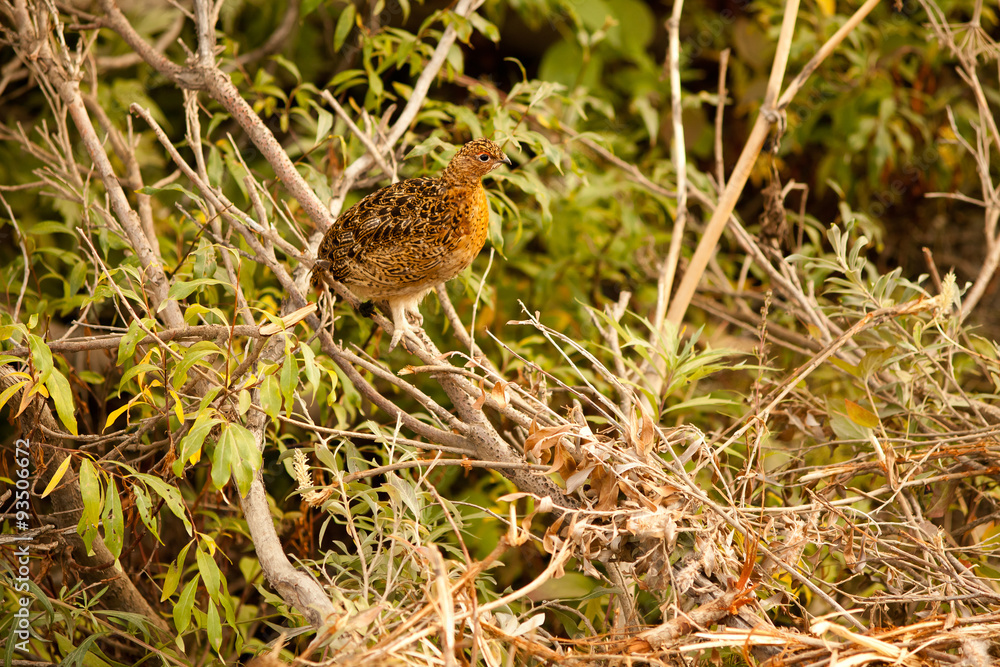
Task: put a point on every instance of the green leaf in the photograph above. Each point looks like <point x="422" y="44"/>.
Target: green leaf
<point x="76" y="277"/>
<point x="846" y="367"/>
<point x="149" y="190"/>
<point x="184" y="289"/>
<point x="289" y="65"/>
<point x="875" y="360"/>
<point x="455" y="58"/>
<point x="488" y="30"/>
<point x="324" y="123"/>
<point x="289" y="379"/>
<point x="344" y="24"/>
<point x="226" y="601"/>
<point x="248" y="460"/>
<point x="171" y="495"/>
<point x="210" y="573"/>
<point x="270" y="396"/>
<point x="239" y="174"/>
<point x="126" y="346"/>
<point x="309" y="363"/>
<point x="325" y="456"/>
<point x="113" y="520"/>
<point x="182" y="610"/>
<point x="90" y="377"/>
<point x="136" y="370"/>
<point x="84" y="654"/>
<point x="115" y="414"/>
<point x="41" y="356"/>
<point x="90" y="491"/>
<point x="462" y="26"/>
<point x="404" y="5"/>
<point x="193" y="355"/>
<point x="195" y="310"/>
<point x="243" y="402"/>
<point x="170" y="581"/>
<point x="347" y="79"/>
<point x="214" y="627"/>
<point x="173" y="576"/>
<point x="14" y="333"/>
<point x="224" y="457"/>
<point x="650" y="116"/>
<point x="214" y="167"/>
<point x="374" y="82"/>
<point x="352" y="457"/>
<point x="191" y="444"/>
<point x="48" y="227"/>
<point x="406" y="493"/>
<point x="145" y="508"/>
<point x="309" y="6"/>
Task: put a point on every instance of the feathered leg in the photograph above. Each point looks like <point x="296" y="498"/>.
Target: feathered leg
<point x="405" y="315"/>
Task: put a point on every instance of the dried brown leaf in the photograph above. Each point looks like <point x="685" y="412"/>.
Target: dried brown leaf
<point x="499" y="393"/>
<point x="481" y="401"/>
<point x="545" y="438"/>
<point x="606" y="486"/>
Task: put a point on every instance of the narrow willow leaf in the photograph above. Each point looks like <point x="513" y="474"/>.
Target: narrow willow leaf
<point x="57" y="476"/>
<point x="185" y="603"/>
<point x="344" y="24"/>
<point x="860" y="415"/>
<point x="90" y="491"/>
<point x="113" y="520"/>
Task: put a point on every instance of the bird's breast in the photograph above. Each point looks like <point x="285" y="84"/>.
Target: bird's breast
<point x="473" y="222"/>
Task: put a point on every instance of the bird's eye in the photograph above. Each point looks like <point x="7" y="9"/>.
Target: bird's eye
<point x="484" y="157"/>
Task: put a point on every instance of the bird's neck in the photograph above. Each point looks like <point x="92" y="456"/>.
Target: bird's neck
<point x="458" y="179"/>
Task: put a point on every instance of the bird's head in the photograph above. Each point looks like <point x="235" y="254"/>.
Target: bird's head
<point x="476" y="159"/>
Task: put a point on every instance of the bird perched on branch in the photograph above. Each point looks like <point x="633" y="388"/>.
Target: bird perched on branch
<point x="397" y="243"/>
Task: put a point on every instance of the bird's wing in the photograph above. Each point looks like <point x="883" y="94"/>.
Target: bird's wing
<point x="389" y="235"/>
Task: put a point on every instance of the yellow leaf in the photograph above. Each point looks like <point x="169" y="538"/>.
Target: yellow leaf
<point x="178" y="408"/>
<point x="114" y="415"/>
<point x="827" y="7"/>
<point x="860" y="415"/>
<point x="57" y="477"/>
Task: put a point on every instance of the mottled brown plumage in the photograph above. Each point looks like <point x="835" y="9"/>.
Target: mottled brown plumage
<point x="396" y="244"/>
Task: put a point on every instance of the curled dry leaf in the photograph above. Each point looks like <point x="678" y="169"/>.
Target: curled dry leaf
<point x="605" y="484"/>
<point x="545" y="437"/>
<point x="499" y="392"/>
<point x="578" y="478"/>
<point x="643" y="432"/>
<point x="481" y="401"/>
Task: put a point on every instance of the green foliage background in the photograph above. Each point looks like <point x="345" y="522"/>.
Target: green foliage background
<point x="562" y="83"/>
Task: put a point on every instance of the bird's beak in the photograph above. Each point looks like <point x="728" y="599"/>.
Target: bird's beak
<point x="506" y="160"/>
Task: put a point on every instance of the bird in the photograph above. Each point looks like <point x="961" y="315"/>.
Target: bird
<point x="398" y="243"/>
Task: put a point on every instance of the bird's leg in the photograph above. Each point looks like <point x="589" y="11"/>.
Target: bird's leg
<point x="406" y="316"/>
<point x="414" y="316"/>
<point x="400" y="324"/>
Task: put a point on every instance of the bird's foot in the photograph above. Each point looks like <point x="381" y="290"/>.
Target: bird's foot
<point x="405" y="319"/>
<point x="399" y="331"/>
<point x="402" y="325"/>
